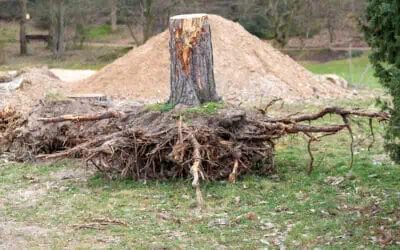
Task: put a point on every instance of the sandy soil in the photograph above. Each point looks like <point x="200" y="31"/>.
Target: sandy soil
<point x="72" y="75"/>
<point x="247" y="70"/>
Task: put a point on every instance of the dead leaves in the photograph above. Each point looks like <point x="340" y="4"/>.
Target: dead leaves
<point x="101" y="223"/>
<point x="31" y="178"/>
<point x="249" y="216"/>
<point x="165" y="216"/>
<point x="220" y="222"/>
<point x="334" y="181"/>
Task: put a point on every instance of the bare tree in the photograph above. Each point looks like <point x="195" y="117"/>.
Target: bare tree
<point x="2" y="52"/>
<point x="140" y="16"/>
<point x="113" y="14"/>
<point x="331" y="14"/>
<point x="22" y="30"/>
<point x="277" y="15"/>
<point x="336" y="16"/>
<point x="57" y="27"/>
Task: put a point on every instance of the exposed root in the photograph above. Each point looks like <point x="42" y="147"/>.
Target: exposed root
<point x="82" y="118"/>
<point x="348" y="126"/>
<point x="145" y="145"/>
<point x="311" y="164"/>
<point x="232" y="176"/>
<point x="372" y="134"/>
<point x="195" y="170"/>
<point x="380" y="116"/>
<point x="264" y="110"/>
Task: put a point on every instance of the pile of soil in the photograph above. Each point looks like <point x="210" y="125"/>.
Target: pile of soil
<point x="247" y="71"/>
<point x="66" y="75"/>
<point x="37" y="83"/>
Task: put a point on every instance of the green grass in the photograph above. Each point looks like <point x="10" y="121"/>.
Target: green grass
<point x="8" y="34"/>
<point x="112" y="56"/>
<point x="90" y="57"/>
<point x="54" y="96"/>
<point x="359" y="73"/>
<point x="293" y="209"/>
<point x="98" y="32"/>
<point x="206" y="108"/>
<point x="159" y="107"/>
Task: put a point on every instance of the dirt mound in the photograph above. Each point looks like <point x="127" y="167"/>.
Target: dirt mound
<point x="36" y="84"/>
<point x="247" y="70"/>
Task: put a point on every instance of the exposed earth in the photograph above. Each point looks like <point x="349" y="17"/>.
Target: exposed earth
<point x="247" y="70"/>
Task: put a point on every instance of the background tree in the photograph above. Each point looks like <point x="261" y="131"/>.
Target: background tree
<point x="271" y="19"/>
<point x="2" y="49"/>
<point x="57" y="17"/>
<point x="382" y="34"/>
<point x="140" y="16"/>
<point x="66" y="20"/>
<point x="113" y="14"/>
<point x="82" y="14"/>
<point x="22" y="28"/>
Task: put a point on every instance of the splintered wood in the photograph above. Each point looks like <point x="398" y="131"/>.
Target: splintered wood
<point x="192" y="63"/>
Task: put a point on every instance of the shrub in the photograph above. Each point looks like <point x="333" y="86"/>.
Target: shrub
<point x="382" y="34"/>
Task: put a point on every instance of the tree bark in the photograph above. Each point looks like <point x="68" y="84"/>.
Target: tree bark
<point x="148" y="16"/>
<point x="192" y="73"/>
<point x="61" y="28"/>
<point x="113" y="14"/>
<point x="22" y="30"/>
<point x="2" y="52"/>
<point x="53" y="28"/>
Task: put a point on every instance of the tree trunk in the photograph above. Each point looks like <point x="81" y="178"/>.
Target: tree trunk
<point x="148" y="16"/>
<point x="192" y="73"/>
<point x="53" y="28"/>
<point x="61" y="28"/>
<point x="113" y="14"/>
<point x="22" y="30"/>
<point x="2" y="52"/>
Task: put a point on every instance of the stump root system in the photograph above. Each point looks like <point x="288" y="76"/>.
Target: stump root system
<point x="132" y="142"/>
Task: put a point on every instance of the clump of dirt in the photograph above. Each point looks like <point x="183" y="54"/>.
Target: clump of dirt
<point x="5" y="77"/>
<point x="10" y="121"/>
<point x="54" y="137"/>
<point x="247" y="70"/>
<point x="37" y="83"/>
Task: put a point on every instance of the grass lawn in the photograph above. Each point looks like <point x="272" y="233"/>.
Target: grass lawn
<point x="359" y="72"/>
<point x="61" y="206"/>
<point x="90" y="57"/>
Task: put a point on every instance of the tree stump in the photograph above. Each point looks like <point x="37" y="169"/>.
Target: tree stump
<point x="192" y="63"/>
